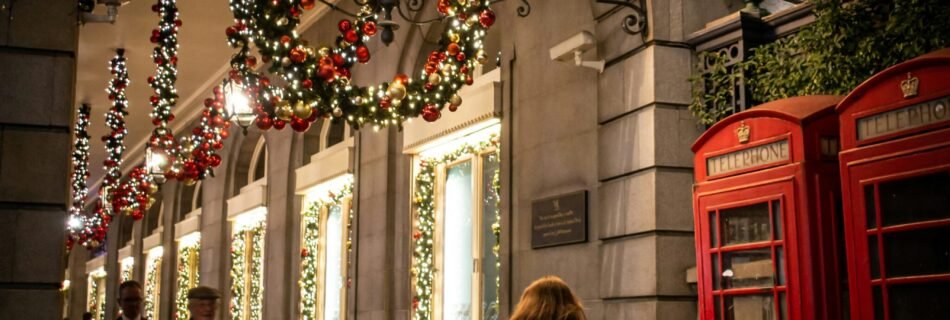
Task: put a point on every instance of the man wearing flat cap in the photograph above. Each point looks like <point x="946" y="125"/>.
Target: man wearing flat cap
<point x="202" y="303"/>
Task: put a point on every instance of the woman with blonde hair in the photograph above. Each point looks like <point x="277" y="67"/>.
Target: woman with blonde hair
<point x="549" y="298"/>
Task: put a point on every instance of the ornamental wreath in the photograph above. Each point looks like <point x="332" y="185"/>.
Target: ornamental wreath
<point x="318" y="78"/>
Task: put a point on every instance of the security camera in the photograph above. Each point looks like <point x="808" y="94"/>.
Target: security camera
<point x="574" y="47"/>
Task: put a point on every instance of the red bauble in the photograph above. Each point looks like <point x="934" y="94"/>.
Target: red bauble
<point x="251" y="62"/>
<point x="151" y="79"/>
<point x="487" y="18"/>
<point x="351" y="36"/>
<point x="326" y="72"/>
<point x="401" y="78"/>
<point x="153" y="99"/>
<point x="338" y="60"/>
<point x="153" y="39"/>
<point x="430" y="113"/>
<point x="343" y="73"/>
<point x="428" y="86"/>
<point x="230" y="31"/>
<point x="443" y="7"/>
<point x="362" y="54"/>
<point x="464" y="70"/>
<point x="460" y="56"/>
<point x="344" y="25"/>
<point x="178" y="22"/>
<point x="298" y="55"/>
<point x="304" y="253"/>
<point x="431" y="67"/>
<point x="469" y="80"/>
<point x="299" y="125"/>
<point x="453" y="49"/>
<point x="285" y="39"/>
<point x="264" y="123"/>
<point x="307" y="4"/>
<point x="385" y="102"/>
<point x="307" y="83"/>
<point x="155" y="8"/>
<point x="453" y="107"/>
<point x="279" y="124"/>
<point x="138" y="214"/>
<point x="369" y="28"/>
<point x="224" y="134"/>
<point x="214" y="160"/>
<point x="265" y="82"/>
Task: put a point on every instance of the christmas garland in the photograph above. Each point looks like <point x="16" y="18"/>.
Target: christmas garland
<point x="126" y="274"/>
<point x="423" y="263"/>
<point x="165" y="56"/>
<point x="115" y="120"/>
<point x="95" y="297"/>
<point x="239" y="262"/>
<point x="79" y="222"/>
<point x="133" y="196"/>
<point x="187" y="277"/>
<point x="318" y="79"/>
<point x="151" y="286"/>
<point x="311" y="244"/>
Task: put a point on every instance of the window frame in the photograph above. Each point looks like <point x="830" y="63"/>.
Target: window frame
<point x="477" y="277"/>
<point x="345" y="206"/>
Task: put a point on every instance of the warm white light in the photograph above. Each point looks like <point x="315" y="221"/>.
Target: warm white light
<point x="74" y="223"/>
<point x="238" y="106"/>
<point x="155" y="252"/>
<point x="128" y="262"/>
<point x="189" y="239"/>
<point x="250" y="218"/>
<point x="321" y="192"/>
<point x="472" y="136"/>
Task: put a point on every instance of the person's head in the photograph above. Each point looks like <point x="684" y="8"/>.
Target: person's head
<point x="131" y="296"/>
<point x="549" y="298"/>
<point x="87" y="316"/>
<point x="202" y="302"/>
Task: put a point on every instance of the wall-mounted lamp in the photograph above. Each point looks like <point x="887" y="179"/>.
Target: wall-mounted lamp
<point x="237" y="106"/>
<point x="156" y="161"/>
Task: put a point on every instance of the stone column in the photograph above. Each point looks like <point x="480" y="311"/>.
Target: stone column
<point x="112" y="265"/>
<point x="277" y="271"/>
<point x="215" y="242"/>
<point x="78" y="282"/>
<point x="37" y="69"/>
<point x="168" y="282"/>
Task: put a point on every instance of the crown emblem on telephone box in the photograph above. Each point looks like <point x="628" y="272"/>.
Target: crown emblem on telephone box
<point x="909" y="86"/>
<point x="742" y="132"/>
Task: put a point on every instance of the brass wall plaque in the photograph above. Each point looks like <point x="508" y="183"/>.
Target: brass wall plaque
<point x="559" y="220"/>
<point x="747" y="158"/>
<point x="909" y="117"/>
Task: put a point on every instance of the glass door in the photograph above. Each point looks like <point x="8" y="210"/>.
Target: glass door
<point x="901" y="236"/>
<point x="745" y="267"/>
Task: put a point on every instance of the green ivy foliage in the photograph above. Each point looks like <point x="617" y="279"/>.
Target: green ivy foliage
<point x="848" y="42"/>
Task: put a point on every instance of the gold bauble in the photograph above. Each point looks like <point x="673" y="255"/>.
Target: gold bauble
<point x="446" y="69"/>
<point x="397" y="91"/>
<point x="435" y="79"/>
<point x="481" y="57"/>
<point x="472" y="21"/>
<point x="337" y="112"/>
<point x="152" y="188"/>
<point x="455" y="100"/>
<point x="324" y="51"/>
<point x="127" y="210"/>
<point x="285" y="62"/>
<point x="455" y="38"/>
<point x="190" y="182"/>
<point x="302" y="110"/>
<point x="284" y="111"/>
<point x="151" y="201"/>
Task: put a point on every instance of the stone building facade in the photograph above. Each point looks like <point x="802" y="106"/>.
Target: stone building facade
<point x="622" y="135"/>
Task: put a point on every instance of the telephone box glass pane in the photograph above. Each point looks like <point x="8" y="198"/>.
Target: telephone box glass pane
<point x="780" y="264"/>
<point x="915" y="199"/>
<point x="783" y="305"/>
<point x="713" y="230"/>
<point x="878" y="302"/>
<point x="716" y="307"/>
<point x="777" y="218"/>
<point x="917" y="252"/>
<point x="716" y="275"/>
<point x="745" y="224"/>
<point x="869" y="206"/>
<point x="750" y="307"/>
<point x="748" y="268"/>
<point x="875" y="262"/>
<point x="919" y="301"/>
<point x="457" y="243"/>
<point x="334" y="259"/>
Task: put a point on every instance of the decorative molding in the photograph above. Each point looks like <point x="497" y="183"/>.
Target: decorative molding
<point x="481" y="102"/>
<point x="152" y="241"/>
<point x="326" y="165"/>
<point x="250" y="198"/>
<point x="191" y="224"/>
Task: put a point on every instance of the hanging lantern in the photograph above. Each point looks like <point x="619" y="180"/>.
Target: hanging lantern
<point x="237" y="106"/>
<point x="157" y="162"/>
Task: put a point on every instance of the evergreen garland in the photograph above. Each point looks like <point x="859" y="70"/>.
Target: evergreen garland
<point x="187" y="278"/>
<point x="309" y="251"/>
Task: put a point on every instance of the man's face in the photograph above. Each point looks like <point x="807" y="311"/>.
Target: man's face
<point x="202" y="309"/>
<point x="130" y="301"/>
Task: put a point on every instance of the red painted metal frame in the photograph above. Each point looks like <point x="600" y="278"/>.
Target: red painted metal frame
<point x="889" y="157"/>
<point x="807" y="187"/>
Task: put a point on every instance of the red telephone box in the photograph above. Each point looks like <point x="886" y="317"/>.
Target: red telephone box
<point x="764" y="210"/>
<point x="895" y="176"/>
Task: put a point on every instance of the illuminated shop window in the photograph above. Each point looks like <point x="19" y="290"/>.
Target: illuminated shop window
<point x="153" y="279"/>
<point x="247" y="260"/>
<point x="96" y="297"/>
<point x="326" y="249"/>
<point x="188" y="248"/>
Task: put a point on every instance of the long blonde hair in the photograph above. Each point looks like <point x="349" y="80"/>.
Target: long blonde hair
<point x="549" y="298"/>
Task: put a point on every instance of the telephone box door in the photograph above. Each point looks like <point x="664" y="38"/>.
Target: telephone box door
<point x="745" y="252"/>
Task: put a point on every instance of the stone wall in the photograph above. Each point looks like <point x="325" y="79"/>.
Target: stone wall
<point x="37" y="69"/>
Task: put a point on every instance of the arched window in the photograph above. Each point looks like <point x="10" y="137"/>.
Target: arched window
<point x="258" y="167"/>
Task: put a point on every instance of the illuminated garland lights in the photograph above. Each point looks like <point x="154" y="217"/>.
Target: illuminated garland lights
<point x="151" y="286"/>
<point x="79" y="223"/>
<point x="96" y="297"/>
<point x="133" y="196"/>
<point x="423" y="263"/>
<point x="309" y="253"/>
<point x="319" y="78"/>
<point x="115" y="120"/>
<point x="165" y="56"/>
<point x="187" y="277"/>
<point x="243" y="268"/>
